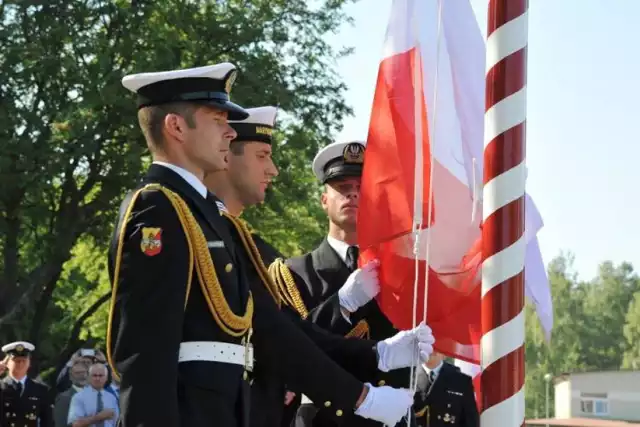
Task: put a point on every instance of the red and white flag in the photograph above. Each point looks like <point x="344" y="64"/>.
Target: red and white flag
<point x="426" y="139"/>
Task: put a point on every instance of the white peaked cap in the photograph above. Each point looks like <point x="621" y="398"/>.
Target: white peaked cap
<point x="348" y="157"/>
<point x="209" y="85"/>
<point x="260" y="116"/>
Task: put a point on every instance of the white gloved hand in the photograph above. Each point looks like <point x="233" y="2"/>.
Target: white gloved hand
<point x="385" y="404"/>
<point x="360" y="288"/>
<point x="405" y="348"/>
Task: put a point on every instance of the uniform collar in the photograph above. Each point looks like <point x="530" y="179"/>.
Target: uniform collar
<point x="339" y="246"/>
<point x="435" y="370"/>
<point x="187" y="176"/>
<point x="22" y="381"/>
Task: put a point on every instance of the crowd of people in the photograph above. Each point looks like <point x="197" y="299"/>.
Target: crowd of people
<point x="243" y="335"/>
<point x="86" y="394"/>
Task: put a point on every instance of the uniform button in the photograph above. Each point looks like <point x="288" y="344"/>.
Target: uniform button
<point x="339" y="412"/>
<point x="228" y="267"/>
<point x="327" y="404"/>
<point x="448" y="405"/>
<point x="381" y="383"/>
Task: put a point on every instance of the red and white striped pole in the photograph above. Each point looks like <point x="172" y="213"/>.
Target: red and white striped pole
<point x="502" y="343"/>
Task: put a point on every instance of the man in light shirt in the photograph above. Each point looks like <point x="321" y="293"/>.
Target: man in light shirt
<point x="93" y="406"/>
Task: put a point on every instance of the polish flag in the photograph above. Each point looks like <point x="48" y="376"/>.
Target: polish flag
<point x="421" y="195"/>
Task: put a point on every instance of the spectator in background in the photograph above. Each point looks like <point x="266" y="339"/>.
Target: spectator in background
<point x="93" y="406"/>
<point x="88" y="357"/>
<point x="78" y="377"/>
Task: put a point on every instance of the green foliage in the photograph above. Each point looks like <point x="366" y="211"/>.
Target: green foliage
<point x="71" y="144"/>
<point x="591" y="321"/>
<point x="631" y="358"/>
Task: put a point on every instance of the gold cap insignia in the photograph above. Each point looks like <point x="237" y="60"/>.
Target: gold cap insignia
<point x="353" y="153"/>
<point x="228" y="84"/>
<point x="19" y="348"/>
<point x="264" y="130"/>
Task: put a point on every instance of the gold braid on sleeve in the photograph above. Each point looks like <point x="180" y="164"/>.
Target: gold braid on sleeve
<point x="200" y="257"/>
<point x="287" y="287"/>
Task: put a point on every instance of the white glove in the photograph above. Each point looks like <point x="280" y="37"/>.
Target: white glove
<point x="360" y="288"/>
<point x="385" y="404"/>
<point x="405" y="348"/>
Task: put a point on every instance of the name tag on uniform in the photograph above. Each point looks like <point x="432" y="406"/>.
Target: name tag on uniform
<point x="215" y="244"/>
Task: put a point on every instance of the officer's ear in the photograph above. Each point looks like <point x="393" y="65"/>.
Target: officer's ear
<point x="323" y="198"/>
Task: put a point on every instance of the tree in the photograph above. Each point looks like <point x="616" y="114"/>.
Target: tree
<point x="589" y="327"/>
<point x="631" y="358"/>
<point x="606" y="304"/>
<point x="71" y="146"/>
<point x="563" y="352"/>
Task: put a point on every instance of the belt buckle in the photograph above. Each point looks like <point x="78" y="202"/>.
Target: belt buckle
<point x="248" y="353"/>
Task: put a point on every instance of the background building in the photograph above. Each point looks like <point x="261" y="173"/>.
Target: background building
<point x="596" y="399"/>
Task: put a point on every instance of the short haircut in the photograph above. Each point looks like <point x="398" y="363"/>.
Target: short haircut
<point x="237" y="147"/>
<point x="95" y="366"/>
<point x="151" y="120"/>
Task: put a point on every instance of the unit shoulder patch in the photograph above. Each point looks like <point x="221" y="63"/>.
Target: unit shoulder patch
<point x="151" y="242"/>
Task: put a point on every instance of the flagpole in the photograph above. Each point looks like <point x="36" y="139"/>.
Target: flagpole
<point x="502" y="303"/>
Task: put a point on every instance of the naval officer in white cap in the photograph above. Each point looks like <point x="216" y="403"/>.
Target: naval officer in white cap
<point x="180" y="319"/>
<point x="24" y="402"/>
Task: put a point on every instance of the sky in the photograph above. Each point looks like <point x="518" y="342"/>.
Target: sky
<point x="583" y="112"/>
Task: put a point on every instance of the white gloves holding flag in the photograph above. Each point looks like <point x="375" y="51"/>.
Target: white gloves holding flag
<point x="360" y="288"/>
<point x="385" y="404"/>
<point x="405" y="348"/>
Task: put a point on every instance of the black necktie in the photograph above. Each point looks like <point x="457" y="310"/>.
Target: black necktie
<point x="427" y="386"/>
<point x="19" y="388"/>
<point x="352" y="258"/>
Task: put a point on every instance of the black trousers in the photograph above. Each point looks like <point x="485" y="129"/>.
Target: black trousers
<point x="200" y="407"/>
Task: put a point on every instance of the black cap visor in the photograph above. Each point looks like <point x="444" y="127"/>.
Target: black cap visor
<point x="338" y="171"/>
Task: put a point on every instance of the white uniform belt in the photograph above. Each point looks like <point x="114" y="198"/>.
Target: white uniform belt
<point x="215" y="351"/>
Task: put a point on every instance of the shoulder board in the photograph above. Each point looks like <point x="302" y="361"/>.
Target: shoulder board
<point x="287" y="286"/>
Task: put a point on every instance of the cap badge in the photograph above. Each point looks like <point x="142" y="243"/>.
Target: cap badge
<point x="353" y="153"/>
<point x="228" y="84"/>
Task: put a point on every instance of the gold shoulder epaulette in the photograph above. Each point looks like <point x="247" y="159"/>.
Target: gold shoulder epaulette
<point x="287" y="287"/>
<point x="199" y="257"/>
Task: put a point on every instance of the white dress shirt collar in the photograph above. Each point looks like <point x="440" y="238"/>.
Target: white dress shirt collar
<point x="21" y="381"/>
<point x="339" y="246"/>
<point x="435" y="370"/>
<point x="187" y="176"/>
